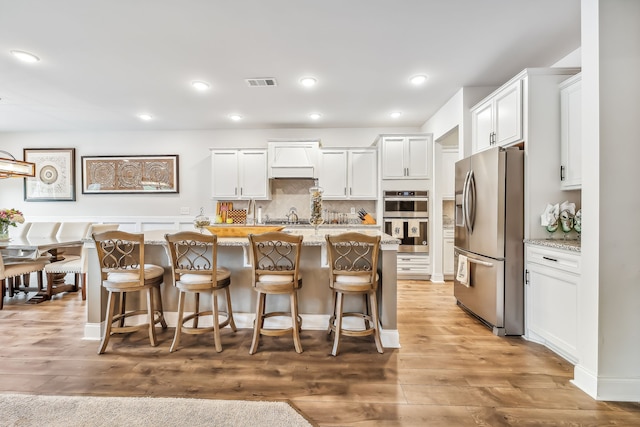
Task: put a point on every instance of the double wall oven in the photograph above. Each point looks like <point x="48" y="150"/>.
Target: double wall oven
<point x="406" y="217"/>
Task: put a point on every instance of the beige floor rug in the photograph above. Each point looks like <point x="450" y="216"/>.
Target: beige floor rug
<point x="51" y="411"/>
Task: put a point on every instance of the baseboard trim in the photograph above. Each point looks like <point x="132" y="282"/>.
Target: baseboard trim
<point x="585" y="380"/>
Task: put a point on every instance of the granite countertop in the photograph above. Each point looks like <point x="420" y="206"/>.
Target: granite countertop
<point x="569" y="244"/>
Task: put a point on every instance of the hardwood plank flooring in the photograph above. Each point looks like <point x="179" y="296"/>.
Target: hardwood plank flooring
<point x="450" y="371"/>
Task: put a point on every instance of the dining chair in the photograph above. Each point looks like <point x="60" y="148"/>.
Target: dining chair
<point x="196" y="271"/>
<point x="353" y="264"/>
<point x="123" y="271"/>
<point x="75" y="257"/>
<point x="14" y="270"/>
<point x="276" y="271"/>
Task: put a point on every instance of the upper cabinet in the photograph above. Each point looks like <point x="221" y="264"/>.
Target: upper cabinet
<point x="239" y="174"/>
<point x="348" y="174"/>
<point x="571" y="133"/>
<point x="497" y="120"/>
<point x="405" y="157"/>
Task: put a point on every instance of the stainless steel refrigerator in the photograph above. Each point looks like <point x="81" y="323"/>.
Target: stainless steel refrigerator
<point x="489" y="231"/>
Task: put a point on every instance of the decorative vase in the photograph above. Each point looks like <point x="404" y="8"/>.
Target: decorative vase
<point x="315" y="205"/>
<point x="4" y="231"/>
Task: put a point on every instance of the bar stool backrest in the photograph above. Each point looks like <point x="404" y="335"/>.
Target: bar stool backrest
<point x="193" y="253"/>
<point x="276" y="253"/>
<point x="120" y="252"/>
<point x="353" y="254"/>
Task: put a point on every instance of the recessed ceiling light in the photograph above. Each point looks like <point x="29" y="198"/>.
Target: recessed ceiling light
<point x="419" y="79"/>
<point x="396" y="114"/>
<point x="200" y="85"/>
<point x="235" y="117"/>
<point x="315" y="116"/>
<point x="145" y="117"/>
<point x="308" y="81"/>
<point x="25" y="56"/>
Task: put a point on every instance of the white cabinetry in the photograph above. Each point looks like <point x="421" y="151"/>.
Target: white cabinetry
<point x="239" y="175"/>
<point x="497" y="120"/>
<point x="551" y="299"/>
<point x="571" y="133"/>
<point x="447" y="253"/>
<point x="414" y="266"/>
<point x="405" y="157"/>
<point x="348" y="174"/>
<point x="448" y="173"/>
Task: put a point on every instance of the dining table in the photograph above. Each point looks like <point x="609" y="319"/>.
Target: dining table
<point x="23" y="249"/>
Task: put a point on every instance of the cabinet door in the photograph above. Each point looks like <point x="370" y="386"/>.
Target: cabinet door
<point x="254" y="183"/>
<point x="551" y="314"/>
<point x="393" y="165"/>
<point x="363" y="176"/>
<point x="224" y="174"/>
<point x="417" y="158"/>
<point x="571" y="136"/>
<point x="508" y="114"/>
<point x="448" y="173"/>
<point x="482" y="126"/>
<point x="447" y="256"/>
<point x="332" y="174"/>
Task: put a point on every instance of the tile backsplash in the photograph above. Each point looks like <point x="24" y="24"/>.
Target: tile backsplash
<point x="288" y="193"/>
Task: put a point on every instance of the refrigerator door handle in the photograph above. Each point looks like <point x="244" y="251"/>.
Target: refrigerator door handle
<point x="472" y="197"/>
<point x="477" y="261"/>
<point x="465" y="201"/>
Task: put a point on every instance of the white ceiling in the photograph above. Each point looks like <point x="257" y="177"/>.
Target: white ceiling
<point x="103" y="62"/>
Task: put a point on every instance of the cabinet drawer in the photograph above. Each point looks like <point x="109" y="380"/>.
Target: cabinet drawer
<point x="412" y="261"/>
<point x="447" y="233"/>
<point x="554" y="258"/>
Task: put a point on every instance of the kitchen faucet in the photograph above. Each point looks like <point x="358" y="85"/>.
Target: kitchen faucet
<point x="251" y="209"/>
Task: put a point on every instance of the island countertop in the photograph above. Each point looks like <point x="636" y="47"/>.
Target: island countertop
<point x="309" y="236"/>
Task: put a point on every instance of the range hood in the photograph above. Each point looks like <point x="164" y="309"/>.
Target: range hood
<point x="293" y="159"/>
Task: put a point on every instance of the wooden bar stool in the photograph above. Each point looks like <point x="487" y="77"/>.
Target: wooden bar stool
<point x="275" y="265"/>
<point x="123" y="271"/>
<point x="195" y="270"/>
<point x="353" y="260"/>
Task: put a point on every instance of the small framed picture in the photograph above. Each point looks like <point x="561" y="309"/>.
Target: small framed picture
<point x="55" y="179"/>
<point x="130" y="174"/>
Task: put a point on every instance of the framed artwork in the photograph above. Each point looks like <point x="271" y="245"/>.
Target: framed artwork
<point x="55" y="178"/>
<point x="129" y="174"/>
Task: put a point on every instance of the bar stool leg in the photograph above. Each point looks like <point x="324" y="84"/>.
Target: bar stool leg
<point x="338" y="322"/>
<point x="295" y="322"/>
<point x="178" y="333"/>
<point x="257" y="325"/>
<point x="151" y="316"/>
<point x="111" y="304"/>
<point x="374" y="317"/>
<point x="163" y="322"/>
<point x="216" y="320"/>
<point x="232" y="322"/>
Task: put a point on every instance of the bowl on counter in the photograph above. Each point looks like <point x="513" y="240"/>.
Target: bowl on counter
<point x="242" y="230"/>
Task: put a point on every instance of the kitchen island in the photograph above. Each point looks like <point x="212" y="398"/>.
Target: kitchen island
<point x="314" y="298"/>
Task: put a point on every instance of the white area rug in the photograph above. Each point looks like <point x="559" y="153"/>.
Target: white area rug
<point x="87" y="411"/>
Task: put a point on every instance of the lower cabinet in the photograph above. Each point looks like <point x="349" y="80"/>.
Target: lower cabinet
<point x="551" y="296"/>
<point x="447" y="254"/>
<point x="414" y="266"/>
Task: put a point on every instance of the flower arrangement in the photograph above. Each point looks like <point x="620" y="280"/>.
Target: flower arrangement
<point x="11" y="217"/>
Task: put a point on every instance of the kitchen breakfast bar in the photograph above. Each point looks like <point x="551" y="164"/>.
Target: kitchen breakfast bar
<point x="314" y="297"/>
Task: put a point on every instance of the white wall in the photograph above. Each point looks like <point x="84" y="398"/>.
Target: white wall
<point x="191" y="146"/>
<point x="609" y="336"/>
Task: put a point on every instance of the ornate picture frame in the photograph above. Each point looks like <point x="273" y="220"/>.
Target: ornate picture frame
<point x="55" y="179"/>
<point x="139" y="174"/>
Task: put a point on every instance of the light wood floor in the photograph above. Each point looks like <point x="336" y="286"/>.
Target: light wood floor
<point x="450" y="371"/>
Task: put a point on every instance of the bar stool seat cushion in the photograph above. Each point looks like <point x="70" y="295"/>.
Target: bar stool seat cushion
<point x="151" y="271"/>
<point x="197" y="279"/>
<point x="344" y="278"/>
<point x="278" y="278"/>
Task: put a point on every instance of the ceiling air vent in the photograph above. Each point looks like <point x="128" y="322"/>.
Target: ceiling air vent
<point x="262" y="82"/>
